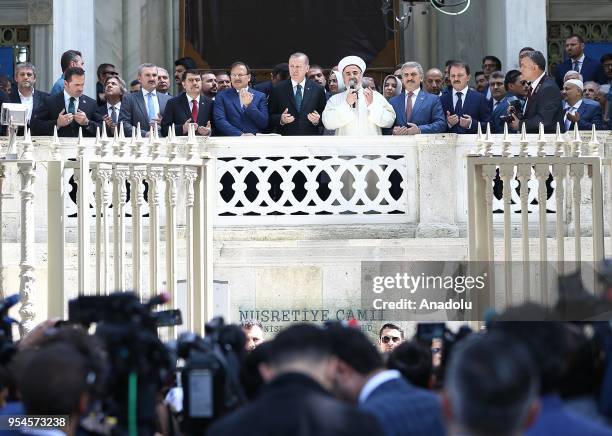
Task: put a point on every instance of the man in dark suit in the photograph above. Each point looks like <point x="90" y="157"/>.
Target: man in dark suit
<point x="401" y="408"/>
<point x="279" y="73"/>
<point x="69" y="110"/>
<point x="240" y="110"/>
<point x="114" y="90"/>
<point x="295" y="105"/>
<point x="464" y="108"/>
<point x="191" y="107"/>
<point x="3" y="99"/>
<point x="299" y="371"/>
<point x="146" y="106"/>
<point x="578" y="110"/>
<point x="416" y="111"/>
<point x="590" y="69"/>
<point x="24" y="92"/>
<point x="544" y="98"/>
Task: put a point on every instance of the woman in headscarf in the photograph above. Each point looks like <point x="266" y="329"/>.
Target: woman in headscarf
<point x="392" y="86"/>
<point x="335" y="82"/>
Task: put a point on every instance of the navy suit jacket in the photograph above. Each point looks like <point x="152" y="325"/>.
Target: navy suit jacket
<point x="405" y="410"/>
<point x="497" y="125"/>
<point x="231" y="120"/>
<point x="544" y="106"/>
<point x="590" y="113"/>
<point x="427" y="112"/>
<point x="282" y="98"/>
<point x="475" y="105"/>
<point x="44" y="118"/>
<point x="134" y="111"/>
<point x="178" y="111"/>
<point x="591" y="70"/>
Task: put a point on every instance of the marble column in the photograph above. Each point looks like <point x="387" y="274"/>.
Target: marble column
<point x="74" y="28"/>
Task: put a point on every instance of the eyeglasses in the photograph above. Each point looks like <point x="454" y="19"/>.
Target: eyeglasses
<point x="524" y="82"/>
<point x="238" y="76"/>
<point x="387" y="339"/>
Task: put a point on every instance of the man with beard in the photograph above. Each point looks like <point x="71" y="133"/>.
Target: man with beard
<point x="223" y="81"/>
<point x="209" y="84"/>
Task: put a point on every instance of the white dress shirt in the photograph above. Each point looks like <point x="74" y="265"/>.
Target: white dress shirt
<point x="67" y="102"/>
<point x="146" y="100"/>
<point x="28" y="101"/>
<point x="376" y="381"/>
<point x="570" y="110"/>
<point x="294" y="84"/>
<point x="363" y="120"/>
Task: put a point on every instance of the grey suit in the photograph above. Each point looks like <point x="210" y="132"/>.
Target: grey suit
<point x="134" y="111"/>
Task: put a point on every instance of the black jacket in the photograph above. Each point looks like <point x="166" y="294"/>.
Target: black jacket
<point x="544" y="106"/>
<point x="44" y="118"/>
<point x="177" y="112"/>
<point x="282" y="97"/>
<point x="296" y="405"/>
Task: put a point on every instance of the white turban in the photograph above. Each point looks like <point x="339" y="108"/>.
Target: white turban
<point x="351" y="60"/>
<point x="576" y="82"/>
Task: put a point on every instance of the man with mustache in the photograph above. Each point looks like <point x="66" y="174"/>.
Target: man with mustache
<point x="416" y="111"/>
<point x="144" y="107"/>
<point x="464" y="108"/>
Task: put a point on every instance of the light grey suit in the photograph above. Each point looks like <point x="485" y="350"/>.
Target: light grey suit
<point x="134" y="111"/>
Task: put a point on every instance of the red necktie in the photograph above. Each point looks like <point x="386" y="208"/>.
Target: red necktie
<point x="409" y="107"/>
<point x="194" y="111"/>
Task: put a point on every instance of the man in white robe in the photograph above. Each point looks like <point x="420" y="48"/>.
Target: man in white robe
<point x="357" y="111"/>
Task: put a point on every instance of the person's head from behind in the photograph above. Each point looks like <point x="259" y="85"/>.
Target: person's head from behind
<point x="545" y="339"/>
<point x="358" y="361"/>
<point x="253" y="330"/>
<point x="74" y="81"/>
<point x="55" y="380"/>
<point x="303" y="349"/>
<point x="413" y="360"/>
<point x="389" y="337"/>
<point x="491" y="387"/>
<point x="280" y="72"/>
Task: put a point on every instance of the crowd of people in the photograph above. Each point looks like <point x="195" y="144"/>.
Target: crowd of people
<point x="542" y="377"/>
<point x="300" y="99"/>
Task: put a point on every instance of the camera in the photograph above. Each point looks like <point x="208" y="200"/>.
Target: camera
<point x="514" y="108"/>
<point x="211" y="375"/>
<point x="140" y="364"/>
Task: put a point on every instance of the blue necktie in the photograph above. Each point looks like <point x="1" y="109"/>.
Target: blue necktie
<point x="151" y="106"/>
<point x="459" y="105"/>
<point x="298" y="97"/>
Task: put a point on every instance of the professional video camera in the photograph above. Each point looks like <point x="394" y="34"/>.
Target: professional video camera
<point x="7" y="346"/>
<point x="211" y="375"/>
<point x="139" y="362"/>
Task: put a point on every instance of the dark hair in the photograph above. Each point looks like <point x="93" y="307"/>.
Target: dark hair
<point x="221" y="73"/>
<point x="52" y="380"/>
<point x="120" y="81"/>
<point x="585" y="367"/>
<point x="101" y="68"/>
<point x="461" y="64"/>
<point x="355" y="349"/>
<point x="202" y="73"/>
<point x="526" y="49"/>
<point x="194" y="72"/>
<point x="606" y="57"/>
<point x="413" y="360"/>
<point x="479" y="73"/>
<point x="491" y="382"/>
<point x="134" y="82"/>
<point x="497" y="75"/>
<point x="282" y="70"/>
<point x="299" y="342"/>
<point x="537" y="57"/>
<point x="575" y="35"/>
<point x="546" y="340"/>
<point x="73" y="71"/>
<point x="498" y="63"/>
<point x="449" y="62"/>
<point x="511" y="77"/>
<point x="240" y="63"/>
<point x="390" y="326"/>
<point x="250" y="376"/>
<point x="67" y="57"/>
<point x="187" y="62"/>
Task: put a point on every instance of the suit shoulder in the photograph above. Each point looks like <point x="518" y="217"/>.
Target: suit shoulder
<point x="257" y="93"/>
<point x="396" y="99"/>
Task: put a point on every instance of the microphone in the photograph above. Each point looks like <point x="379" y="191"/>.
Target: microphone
<point x="352" y="86"/>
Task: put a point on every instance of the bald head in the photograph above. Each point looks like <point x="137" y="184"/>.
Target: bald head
<point x="434" y="80"/>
